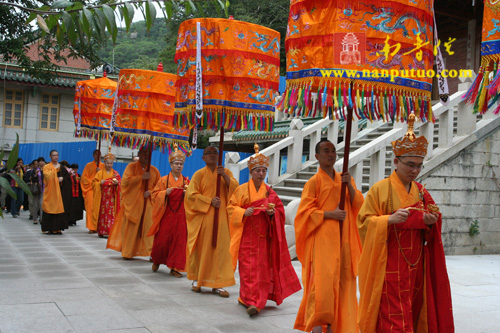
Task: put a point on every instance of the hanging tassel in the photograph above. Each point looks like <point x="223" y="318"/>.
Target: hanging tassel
<point x="470" y="96"/>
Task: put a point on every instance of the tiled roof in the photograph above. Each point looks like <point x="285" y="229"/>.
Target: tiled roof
<point x="66" y="77"/>
<point x="71" y="62"/>
<point x="281" y="130"/>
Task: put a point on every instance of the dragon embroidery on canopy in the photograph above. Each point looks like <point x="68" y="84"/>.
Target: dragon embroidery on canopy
<point x="387" y="17"/>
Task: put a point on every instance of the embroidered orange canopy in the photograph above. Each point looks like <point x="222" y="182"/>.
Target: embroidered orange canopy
<point x="227" y="74"/>
<point x="93" y="107"/>
<point x="144" y="109"/>
<point x="385" y="50"/>
<point x="485" y="90"/>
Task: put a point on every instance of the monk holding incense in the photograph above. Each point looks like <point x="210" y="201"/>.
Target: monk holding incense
<point x="169" y="218"/>
<point x="329" y="256"/>
<point x="128" y="234"/>
<point x="403" y="281"/>
<point x="209" y="265"/>
<point x="258" y="241"/>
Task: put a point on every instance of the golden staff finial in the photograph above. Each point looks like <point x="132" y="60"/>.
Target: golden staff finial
<point x="410" y="134"/>
<point x="256" y="148"/>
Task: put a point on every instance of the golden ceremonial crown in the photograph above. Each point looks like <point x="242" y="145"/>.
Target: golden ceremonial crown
<point x="177" y="155"/>
<point x="410" y="145"/>
<point x="258" y="160"/>
<point x="109" y="156"/>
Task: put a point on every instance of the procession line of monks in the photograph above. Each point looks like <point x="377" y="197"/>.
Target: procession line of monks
<point x="390" y="241"/>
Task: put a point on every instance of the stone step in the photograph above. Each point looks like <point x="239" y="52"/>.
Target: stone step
<point x="305" y="175"/>
<point x="313" y="168"/>
<point x="286" y="199"/>
<point x="298" y="183"/>
<point x="288" y="191"/>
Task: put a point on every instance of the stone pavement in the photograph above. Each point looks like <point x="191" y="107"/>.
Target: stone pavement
<point x="71" y="283"/>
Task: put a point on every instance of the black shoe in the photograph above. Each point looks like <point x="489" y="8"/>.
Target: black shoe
<point x="14" y="216"/>
<point x="31" y="217"/>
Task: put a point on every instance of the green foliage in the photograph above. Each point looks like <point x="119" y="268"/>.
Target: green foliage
<point x="11" y="162"/>
<point x="271" y="14"/>
<point x="138" y="48"/>
<point x="474" y="228"/>
<point x="78" y="27"/>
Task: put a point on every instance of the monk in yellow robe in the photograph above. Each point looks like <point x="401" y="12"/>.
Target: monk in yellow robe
<point x="209" y="266"/>
<point x="87" y="178"/>
<point x="128" y="234"/>
<point x="329" y="257"/>
<point x="53" y="217"/>
<point x="403" y="282"/>
<point x="258" y="241"/>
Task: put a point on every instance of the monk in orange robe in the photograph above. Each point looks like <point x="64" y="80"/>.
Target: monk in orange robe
<point x="209" y="266"/>
<point x="107" y="189"/>
<point x="169" y="218"/>
<point x="128" y="234"/>
<point x="258" y="241"/>
<point x="53" y="217"/>
<point x="87" y="178"/>
<point x="403" y="282"/>
<point x="329" y="265"/>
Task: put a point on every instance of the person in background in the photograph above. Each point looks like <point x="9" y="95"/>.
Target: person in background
<point x="31" y="179"/>
<point x="77" y="202"/>
<point x="39" y="174"/>
<point x="27" y="180"/>
<point x="15" y="204"/>
<point x="27" y="198"/>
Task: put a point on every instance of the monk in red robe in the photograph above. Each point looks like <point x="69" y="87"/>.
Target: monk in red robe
<point x="169" y="218"/>
<point x="403" y="282"/>
<point x="329" y="260"/>
<point x="107" y="191"/>
<point x="258" y="241"/>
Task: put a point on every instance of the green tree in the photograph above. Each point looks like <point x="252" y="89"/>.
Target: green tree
<point x="82" y="27"/>
<point x="271" y="14"/>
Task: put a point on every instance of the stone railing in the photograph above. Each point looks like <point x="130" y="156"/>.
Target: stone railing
<point x="375" y="150"/>
<point x="294" y="147"/>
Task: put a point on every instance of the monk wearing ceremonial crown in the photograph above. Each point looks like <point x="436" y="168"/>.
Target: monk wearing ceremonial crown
<point x="169" y="218"/>
<point x="258" y="241"/>
<point x="403" y="281"/>
<point x="106" y="189"/>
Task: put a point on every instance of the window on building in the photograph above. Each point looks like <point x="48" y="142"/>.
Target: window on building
<point x="13" y="108"/>
<point x="49" y="119"/>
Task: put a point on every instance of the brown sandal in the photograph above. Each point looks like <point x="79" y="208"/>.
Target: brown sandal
<point x="194" y="288"/>
<point x="175" y="273"/>
<point x="221" y="292"/>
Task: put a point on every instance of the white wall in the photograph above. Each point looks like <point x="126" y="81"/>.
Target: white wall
<point x="467" y="189"/>
<point x="31" y="132"/>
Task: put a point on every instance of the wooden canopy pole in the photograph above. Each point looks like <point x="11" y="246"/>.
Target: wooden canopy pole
<point x="217" y="191"/>
<point x="345" y="167"/>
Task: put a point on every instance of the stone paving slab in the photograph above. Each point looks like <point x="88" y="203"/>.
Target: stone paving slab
<point x="71" y="283"/>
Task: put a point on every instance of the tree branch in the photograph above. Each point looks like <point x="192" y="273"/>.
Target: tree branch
<point x="52" y="12"/>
